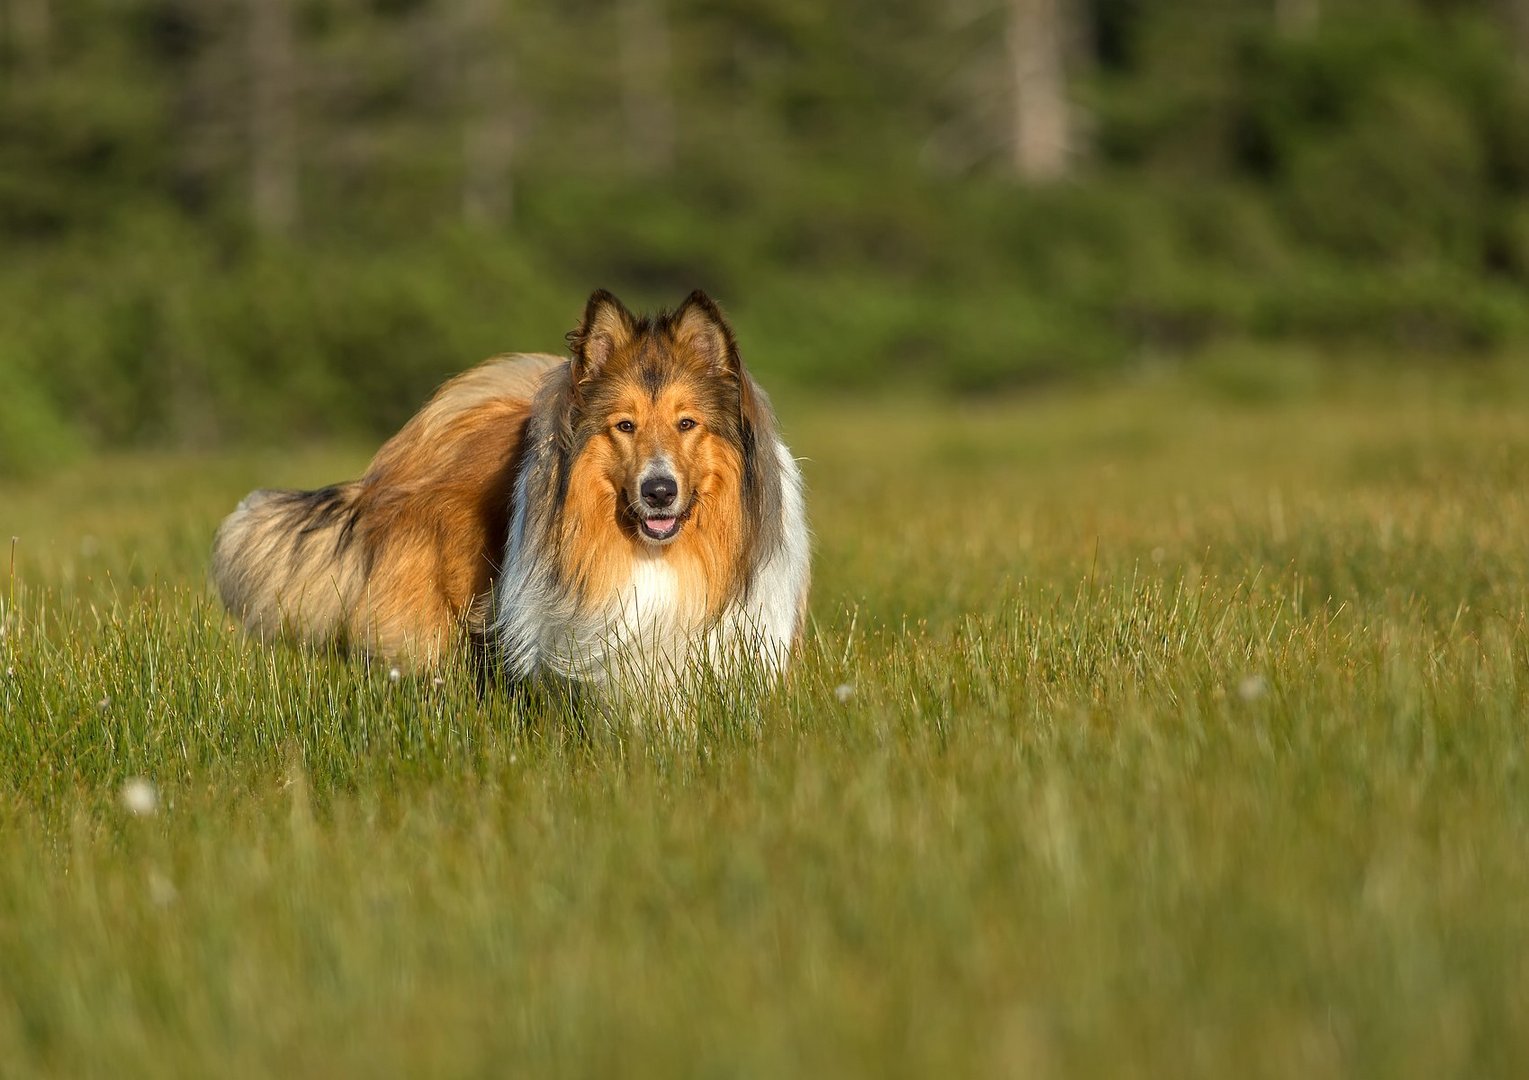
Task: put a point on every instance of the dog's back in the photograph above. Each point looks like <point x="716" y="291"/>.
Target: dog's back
<point x="401" y="562"/>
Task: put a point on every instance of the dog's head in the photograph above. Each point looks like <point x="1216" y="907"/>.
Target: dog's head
<point x="658" y="408"/>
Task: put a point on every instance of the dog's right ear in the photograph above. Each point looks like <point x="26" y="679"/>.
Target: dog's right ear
<point x="607" y="327"/>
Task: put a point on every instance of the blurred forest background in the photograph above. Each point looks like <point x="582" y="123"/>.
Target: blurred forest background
<point x="227" y="220"/>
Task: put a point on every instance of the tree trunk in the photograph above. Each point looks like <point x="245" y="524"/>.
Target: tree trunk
<point x="488" y="129"/>
<point x="272" y="117"/>
<point x="1044" y="132"/>
<point x="647" y="100"/>
<point x="1297" y="18"/>
<point x="31" y="33"/>
<point x="1518" y="25"/>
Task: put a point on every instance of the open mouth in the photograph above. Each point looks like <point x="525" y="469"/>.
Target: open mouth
<point x="662" y="529"/>
<point x="659" y="528"/>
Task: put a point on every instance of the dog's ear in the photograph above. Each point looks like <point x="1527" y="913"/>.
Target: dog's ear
<point x="700" y="326"/>
<point x="607" y="327"/>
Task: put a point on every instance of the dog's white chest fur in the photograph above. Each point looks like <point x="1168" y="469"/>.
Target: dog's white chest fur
<point x="644" y="632"/>
<point x="653" y="598"/>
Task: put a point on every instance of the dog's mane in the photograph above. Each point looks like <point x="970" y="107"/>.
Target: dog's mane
<point x="748" y="425"/>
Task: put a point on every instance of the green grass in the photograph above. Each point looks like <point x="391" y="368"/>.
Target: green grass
<point x="1186" y="738"/>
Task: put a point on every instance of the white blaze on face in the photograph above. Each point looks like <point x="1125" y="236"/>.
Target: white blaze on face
<point x="658" y="525"/>
<point x="657" y="468"/>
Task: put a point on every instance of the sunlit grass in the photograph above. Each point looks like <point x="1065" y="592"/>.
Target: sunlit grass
<point x="1144" y="733"/>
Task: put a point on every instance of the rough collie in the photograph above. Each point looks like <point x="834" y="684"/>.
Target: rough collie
<point x="624" y="514"/>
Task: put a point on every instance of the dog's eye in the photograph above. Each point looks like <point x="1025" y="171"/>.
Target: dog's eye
<point x="686" y="424"/>
<point x="626" y="426"/>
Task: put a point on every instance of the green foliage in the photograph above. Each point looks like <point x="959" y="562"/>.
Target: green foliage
<point x="32" y="435"/>
<point x="839" y="182"/>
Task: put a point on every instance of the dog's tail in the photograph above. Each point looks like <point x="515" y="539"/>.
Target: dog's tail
<point x="401" y="563"/>
<point x="293" y="563"/>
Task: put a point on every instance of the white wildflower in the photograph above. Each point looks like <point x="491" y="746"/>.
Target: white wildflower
<point x="139" y="797"/>
<point x="844" y="691"/>
<point x="1252" y="687"/>
<point x="394" y="674"/>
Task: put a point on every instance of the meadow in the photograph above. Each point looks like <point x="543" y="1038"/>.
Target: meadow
<point x="1172" y="729"/>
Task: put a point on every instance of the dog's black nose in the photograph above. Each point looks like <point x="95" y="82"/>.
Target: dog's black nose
<point x="659" y="492"/>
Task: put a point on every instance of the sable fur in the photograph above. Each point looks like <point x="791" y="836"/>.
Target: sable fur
<point x="399" y="563"/>
<point x="571" y="602"/>
<point x="503" y="511"/>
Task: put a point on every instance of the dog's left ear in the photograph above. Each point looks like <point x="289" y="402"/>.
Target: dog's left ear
<point x="700" y="326"/>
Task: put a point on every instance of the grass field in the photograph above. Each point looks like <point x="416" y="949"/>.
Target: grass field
<point x="1174" y="730"/>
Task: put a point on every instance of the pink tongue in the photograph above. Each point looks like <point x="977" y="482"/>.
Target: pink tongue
<point x="662" y="526"/>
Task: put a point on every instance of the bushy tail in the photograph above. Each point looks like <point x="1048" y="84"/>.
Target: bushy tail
<point x="291" y="563"/>
<point x="399" y="564"/>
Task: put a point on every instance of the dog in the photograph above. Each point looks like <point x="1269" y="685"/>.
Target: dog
<point x="610" y="519"/>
